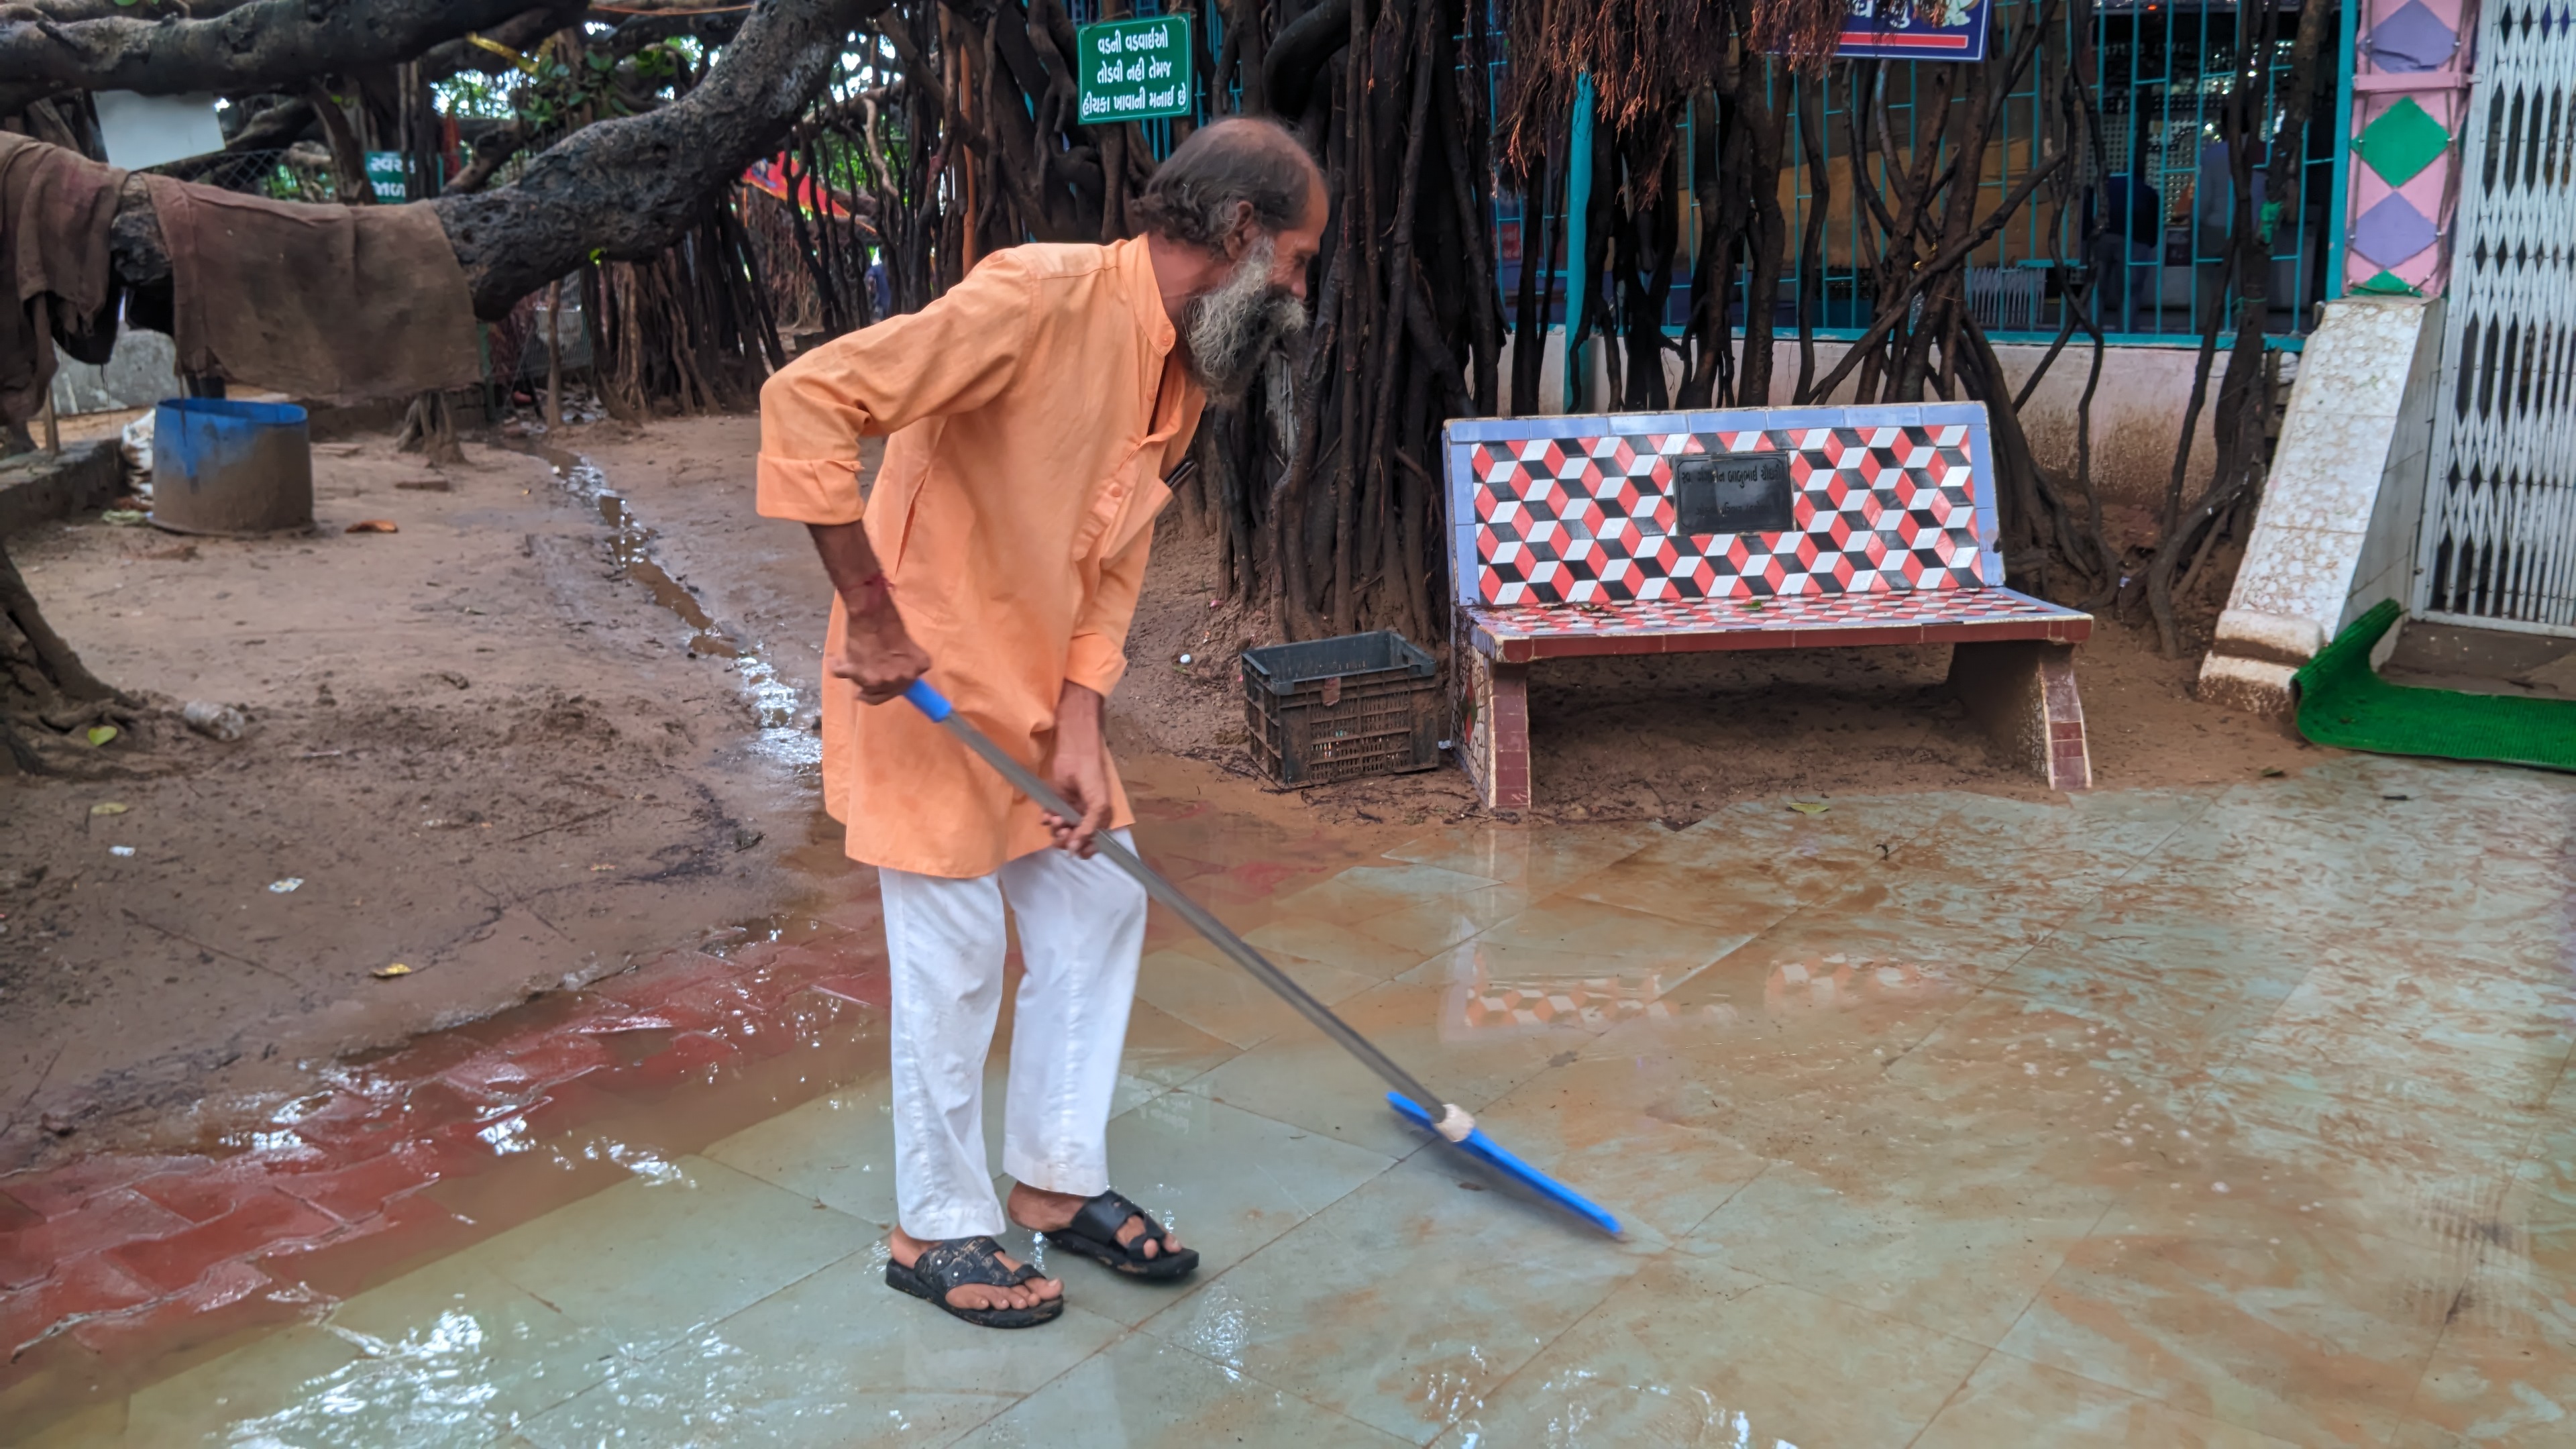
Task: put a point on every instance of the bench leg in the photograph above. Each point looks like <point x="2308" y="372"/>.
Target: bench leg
<point x="2022" y="691"/>
<point x="1496" y="741"/>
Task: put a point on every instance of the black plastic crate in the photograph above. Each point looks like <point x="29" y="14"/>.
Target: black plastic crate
<point x="1338" y="709"/>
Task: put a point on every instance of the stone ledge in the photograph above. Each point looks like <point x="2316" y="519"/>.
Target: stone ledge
<point x="41" y="487"/>
<point x="2269" y="638"/>
<point x="2253" y="685"/>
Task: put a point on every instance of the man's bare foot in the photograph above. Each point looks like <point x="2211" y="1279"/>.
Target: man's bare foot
<point x="906" y="1249"/>
<point x="1041" y="1211"/>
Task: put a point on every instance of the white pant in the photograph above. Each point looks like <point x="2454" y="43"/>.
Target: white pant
<point x="1082" y="928"/>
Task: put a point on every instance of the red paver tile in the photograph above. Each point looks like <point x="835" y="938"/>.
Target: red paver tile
<point x="228" y="1299"/>
<point x="821" y="957"/>
<point x="514" y="1071"/>
<point x="566" y="1107"/>
<point x="181" y="1260"/>
<point x="713" y="1001"/>
<point x="83" y="1287"/>
<point x="458" y="1149"/>
<point x="59" y="1190"/>
<point x="352" y="1127"/>
<point x="362" y="1189"/>
<point x="16" y="1216"/>
<point x="210" y="1190"/>
<point x="111" y="1219"/>
<point x="410" y="1231"/>
<point x="872" y="991"/>
<point x="689" y="1052"/>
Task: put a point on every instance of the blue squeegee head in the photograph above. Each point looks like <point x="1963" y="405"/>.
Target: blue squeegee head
<point x="1484" y="1148"/>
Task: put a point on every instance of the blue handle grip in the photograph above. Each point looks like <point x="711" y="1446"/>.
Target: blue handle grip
<point x="929" y="701"/>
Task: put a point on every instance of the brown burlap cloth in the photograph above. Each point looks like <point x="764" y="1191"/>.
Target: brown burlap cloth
<point x="322" y="303"/>
<point x="54" y="209"/>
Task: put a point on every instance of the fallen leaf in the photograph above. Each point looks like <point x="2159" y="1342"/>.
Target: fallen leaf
<point x="1809" y="807"/>
<point x="388" y="973"/>
<point x="109" y="807"/>
<point x="101" y="734"/>
<point x="122" y="517"/>
<point x="373" y="525"/>
<point x="426" y="485"/>
<point x="2273" y="772"/>
<point x="281" y="887"/>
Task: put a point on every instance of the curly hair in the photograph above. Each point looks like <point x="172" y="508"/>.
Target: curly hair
<point x="1194" y="193"/>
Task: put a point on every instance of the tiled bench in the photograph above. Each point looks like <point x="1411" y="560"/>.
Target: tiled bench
<point x="1671" y="533"/>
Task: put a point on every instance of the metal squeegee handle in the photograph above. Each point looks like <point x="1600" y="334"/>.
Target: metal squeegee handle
<point x="932" y="703"/>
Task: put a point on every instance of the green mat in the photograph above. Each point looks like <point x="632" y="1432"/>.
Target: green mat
<point x="2342" y="702"/>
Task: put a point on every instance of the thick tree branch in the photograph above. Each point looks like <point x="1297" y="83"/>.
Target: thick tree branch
<point x="266" y="45"/>
<point x="627" y="188"/>
<point x="65" y="12"/>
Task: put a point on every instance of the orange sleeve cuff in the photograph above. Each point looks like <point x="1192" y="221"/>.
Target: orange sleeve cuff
<point x="809" y="490"/>
<point x="1095" y="663"/>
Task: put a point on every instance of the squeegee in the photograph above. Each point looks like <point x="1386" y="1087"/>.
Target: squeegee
<point x="1411" y="1100"/>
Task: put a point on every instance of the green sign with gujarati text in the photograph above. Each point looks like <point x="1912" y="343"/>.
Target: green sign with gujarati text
<point x="389" y="172"/>
<point x="1133" y="70"/>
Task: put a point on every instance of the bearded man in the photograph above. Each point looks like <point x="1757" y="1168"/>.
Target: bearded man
<point x="1031" y="415"/>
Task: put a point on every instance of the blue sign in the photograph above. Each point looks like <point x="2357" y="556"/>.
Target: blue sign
<point x="1915" y="30"/>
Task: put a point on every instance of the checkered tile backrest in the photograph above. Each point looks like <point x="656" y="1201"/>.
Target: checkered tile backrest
<point x="1569" y="510"/>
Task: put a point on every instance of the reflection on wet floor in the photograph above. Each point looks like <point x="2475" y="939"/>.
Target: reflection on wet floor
<point x="2220" y="1117"/>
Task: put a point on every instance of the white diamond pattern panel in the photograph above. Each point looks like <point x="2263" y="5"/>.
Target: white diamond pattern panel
<point x="2499" y="541"/>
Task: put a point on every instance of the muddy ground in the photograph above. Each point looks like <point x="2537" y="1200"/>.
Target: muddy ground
<point x="562" y="720"/>
<point x="479" y="750"/>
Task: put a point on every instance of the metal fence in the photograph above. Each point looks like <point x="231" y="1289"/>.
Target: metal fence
<point x="290" y="174"/>
<point x="2161" y="179"/>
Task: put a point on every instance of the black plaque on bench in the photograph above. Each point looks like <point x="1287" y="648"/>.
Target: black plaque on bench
<point x="1733" y="493"/>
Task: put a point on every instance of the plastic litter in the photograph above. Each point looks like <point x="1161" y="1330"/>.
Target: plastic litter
<point x="226" y="722"/>
<point x="135" y="442"/>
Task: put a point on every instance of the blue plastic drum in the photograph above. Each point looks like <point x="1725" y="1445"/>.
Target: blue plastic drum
<point x="225" y="467"/>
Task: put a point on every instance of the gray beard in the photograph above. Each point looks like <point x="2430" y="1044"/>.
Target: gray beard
<point x="1231" y="329"/>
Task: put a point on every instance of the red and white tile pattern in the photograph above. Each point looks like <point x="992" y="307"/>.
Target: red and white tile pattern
<point x="1591" y="519"/>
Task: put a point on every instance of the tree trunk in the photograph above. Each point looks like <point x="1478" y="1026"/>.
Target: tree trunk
<point x="48" y="698"/>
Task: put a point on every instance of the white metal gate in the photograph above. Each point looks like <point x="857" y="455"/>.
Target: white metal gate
<point x="2498" y="547"/>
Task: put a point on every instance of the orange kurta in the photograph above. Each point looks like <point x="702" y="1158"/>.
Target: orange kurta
<point x="1032" y="414"/>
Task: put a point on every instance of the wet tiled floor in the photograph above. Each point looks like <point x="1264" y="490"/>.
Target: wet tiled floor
<point x="2225" y="1117"/>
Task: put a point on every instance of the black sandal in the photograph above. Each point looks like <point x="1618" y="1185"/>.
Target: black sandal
<point x="1094" y="1234"/>
<point x="959" y="1262"/>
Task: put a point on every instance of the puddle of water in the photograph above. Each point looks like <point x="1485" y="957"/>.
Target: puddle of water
<point x="630" y="546"/>
<point x="514" y="1115"/>
<point x="473" y="1130"/>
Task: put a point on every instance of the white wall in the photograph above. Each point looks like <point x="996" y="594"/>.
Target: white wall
<point x="2137" y="408"/>
<point x="142" y="371"/>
